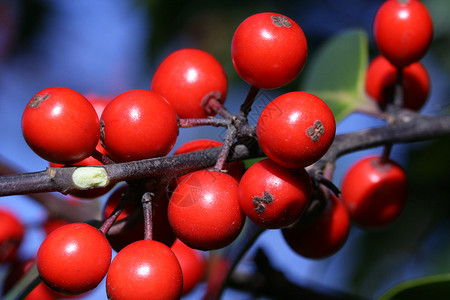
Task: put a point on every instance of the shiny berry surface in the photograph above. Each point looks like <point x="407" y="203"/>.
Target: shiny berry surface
<point x="204" y="210"/>
<point x="296" y="129"/>
<point x="60" y="125"/>
<point x="403" y="31"/>
<point x="74" y="258"/>
<point x="138" y="124"/>
<point x="187" y="78"/>
<point x="374" y="192"/>
<point x="144" y="270"/>
<point x="273" y="196"/>
<point x="269" y="50"/>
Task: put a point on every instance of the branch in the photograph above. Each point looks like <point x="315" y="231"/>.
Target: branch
<point x="409" y="127"/>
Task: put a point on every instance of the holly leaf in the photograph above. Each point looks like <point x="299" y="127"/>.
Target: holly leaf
<point x="434" y="287"/>
<point x="336" y="73"/>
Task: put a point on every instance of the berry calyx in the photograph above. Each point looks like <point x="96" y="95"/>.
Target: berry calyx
<point x="187" y="78"/>
<point x="296" y="129"/>
<point x="268" y="50"/>
<point x="74" y="258"/>
<point x="273" y="196"/>
<point x="60" y="125"/>
<point x="324" y="236"/>
<point x="145" y="269"/>
<point x="381" y="78"/>
<point x="403" y="31"/>
<point x="374" y="191"/>
<point x="204" y="210"/>
<point x="138" y="124"/>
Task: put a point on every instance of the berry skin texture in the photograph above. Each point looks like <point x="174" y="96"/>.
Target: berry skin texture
<point x="11" y="236"/>
<point x="74" y="258"/>
<point x="268" y="50"/>
<point x="60" y="125"/>
<point x="273" y="196"/>
<point x="138" y="124"/>
<point x="204" y="210"/>
<point x="381" y="78"/>
<point x="296" y="129"/>
<point x="144" y="270"/>
<point x="193" y="265"/>
<point x="187" y="78"/>
<point x="325" y="236"/>
<point x="374" y="192"/>
<point x="403" y="31"/>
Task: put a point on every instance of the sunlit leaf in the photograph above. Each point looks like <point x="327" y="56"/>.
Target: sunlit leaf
<point x="336" y="73"/>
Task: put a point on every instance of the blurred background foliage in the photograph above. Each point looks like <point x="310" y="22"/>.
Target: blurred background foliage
<point x="371" y="262"/>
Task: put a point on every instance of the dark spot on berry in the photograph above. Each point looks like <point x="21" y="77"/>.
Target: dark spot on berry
<point x="261" y="202"/>
<point x="316" y="131"/>
<point x="281" y="21"/>
<point x="37" y="100"/>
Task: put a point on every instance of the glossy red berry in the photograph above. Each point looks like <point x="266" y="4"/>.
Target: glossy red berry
<point x="187" y="78"/>
<point x="204" y="210"/>
<point x="324" y="236"/>
<point x="138" y="124"/>
<point x="381" y="78"/>
<point x="193" y="265"/>
<point x="273" y="196"/>
<point x="144" y="270"/>
<point x="235" y="169"/>
<point x="268" y="50"/>
<point x="403" y="31"/>
<point x="11" y="236"/>
<point x="374" y="192"/>
<point x="60" y="125"/>
<point x="74" y="259"/>
<point x="51" y="224"/>
<point x="296" y="129"/>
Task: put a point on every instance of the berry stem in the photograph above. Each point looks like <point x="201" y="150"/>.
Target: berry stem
<point x="212" y="105"/>
<point x="226" y="148"/>
<point x="188" y="123"/>
<point x="246" y="107"/>
<point x="147" y="206"/>
<point x="114" y="215"/>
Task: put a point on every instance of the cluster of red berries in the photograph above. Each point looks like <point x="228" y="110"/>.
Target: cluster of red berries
<point x="374" y="189"/>
<point x="207" y="209"/>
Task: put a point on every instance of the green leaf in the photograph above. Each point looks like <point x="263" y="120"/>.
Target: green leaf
<point x="336" y="73"/>
<point x="434" y="287"/>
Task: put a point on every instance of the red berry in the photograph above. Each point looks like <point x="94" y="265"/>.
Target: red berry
<point x="187" y="78"/>
<point x="60" y="125"/>
<point x="403" y="31"/>
<point x="268" y="50"/>
<point x="193" y="265"/>
<point x="325" y="236"/>
<point x="52" y="224"/>
<point x="144" y="270"/>
<point x="138" y="124"/>
<point x="204" y="210"/>
<point x="381" y="79"/>
<point x="74" y="259"/>
<point x="296" y="129"/>
<point x="273" y="196"/>
<point x="11" y="236"/>
<point x="374" y="192"/>
<point x="235" y="169"/>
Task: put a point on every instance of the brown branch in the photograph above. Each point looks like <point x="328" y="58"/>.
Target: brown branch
<point x="409" y="127"/>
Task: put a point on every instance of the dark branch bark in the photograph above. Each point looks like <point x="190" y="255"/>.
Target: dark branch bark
<point x="409" y="127"/>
